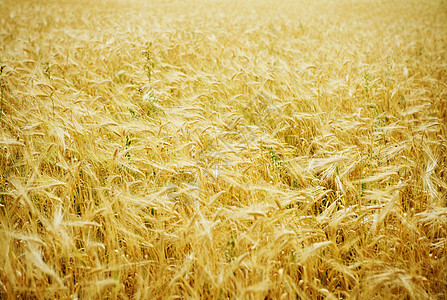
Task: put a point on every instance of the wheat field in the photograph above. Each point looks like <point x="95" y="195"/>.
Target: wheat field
<point x="223" y="149"/>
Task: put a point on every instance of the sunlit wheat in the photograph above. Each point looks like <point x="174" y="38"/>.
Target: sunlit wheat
<point x="223" y="149"/>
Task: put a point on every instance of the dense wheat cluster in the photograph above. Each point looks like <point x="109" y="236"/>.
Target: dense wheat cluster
<point x="223" y="149"/>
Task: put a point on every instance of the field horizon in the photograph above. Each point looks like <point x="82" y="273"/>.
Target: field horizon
<point x="223" y="149"/>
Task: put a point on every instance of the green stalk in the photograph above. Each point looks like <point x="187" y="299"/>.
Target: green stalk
<point x="1" y="88"/>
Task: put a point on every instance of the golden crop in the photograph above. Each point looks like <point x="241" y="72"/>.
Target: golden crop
<point x="223" y="149"/>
